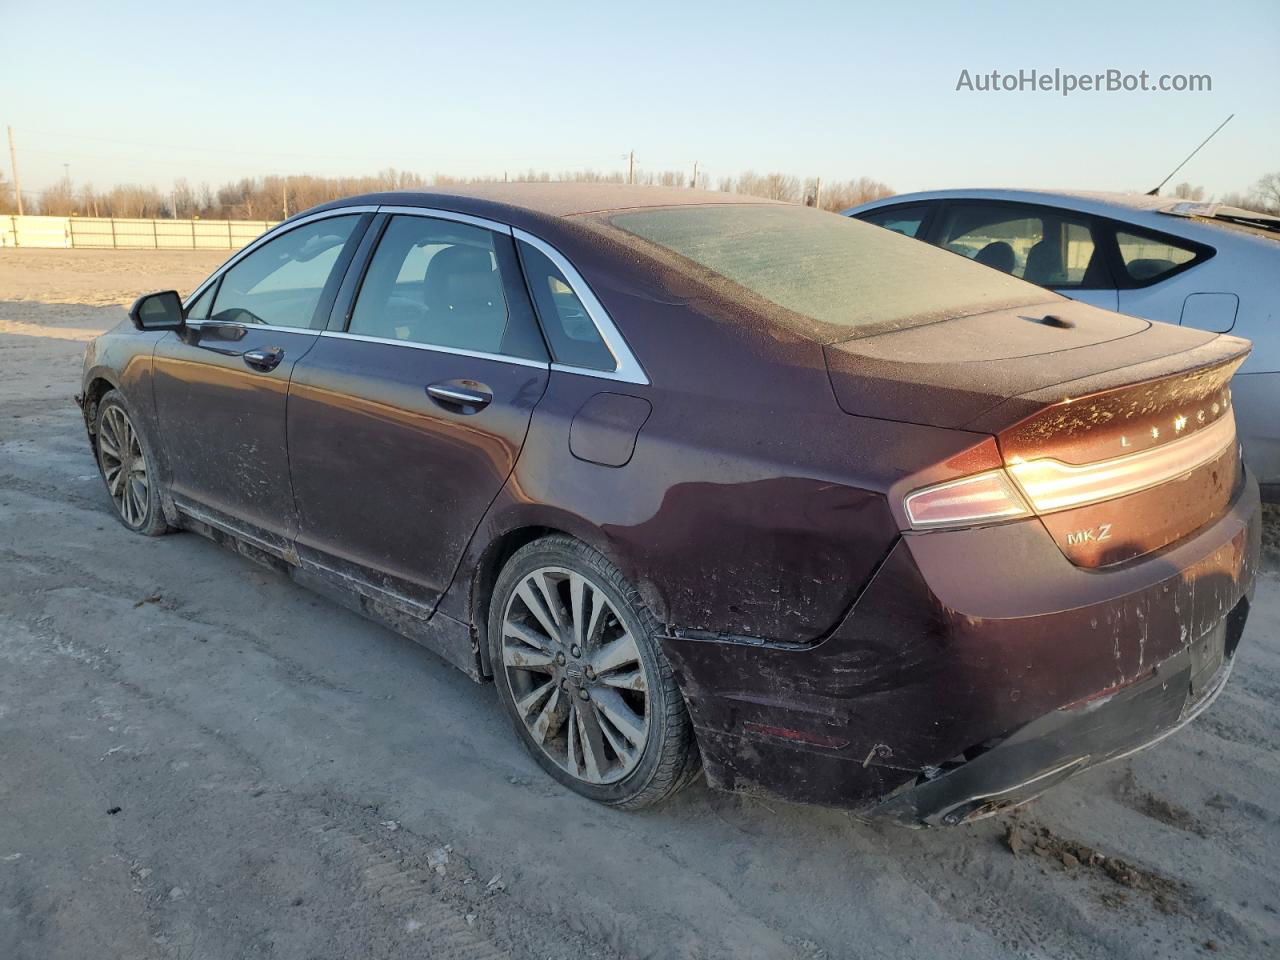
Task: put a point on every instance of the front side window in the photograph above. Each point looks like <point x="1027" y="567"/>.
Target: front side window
<point x="1150" y="258"/>
<point x="568" y="326"/>
<point x="1046" y="247"/>
<point x="281" y="282"/>
<point x="199" y="310"/>
<point x="903" y="220"/>
<point x="434" y="282"/>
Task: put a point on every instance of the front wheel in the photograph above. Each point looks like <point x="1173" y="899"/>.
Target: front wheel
<point x="577" y="668"/>
<point x="124" y="459"/>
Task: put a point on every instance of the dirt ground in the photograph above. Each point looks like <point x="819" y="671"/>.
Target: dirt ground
<point x="200" y="759"/>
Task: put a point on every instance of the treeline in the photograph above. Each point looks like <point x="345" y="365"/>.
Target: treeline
<point x="269" y="198"/>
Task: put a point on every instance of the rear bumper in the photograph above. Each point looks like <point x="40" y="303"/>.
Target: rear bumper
<point x="978" y="666"/>
<point x="1074" y="738"/>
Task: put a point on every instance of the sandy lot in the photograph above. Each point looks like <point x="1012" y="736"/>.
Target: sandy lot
<point x="200" y="759"/>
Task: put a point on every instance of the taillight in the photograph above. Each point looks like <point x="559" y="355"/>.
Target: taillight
<point x="981" y="498"/>
<point x="1052" y="485"/>
<point x="1047" y="485"/>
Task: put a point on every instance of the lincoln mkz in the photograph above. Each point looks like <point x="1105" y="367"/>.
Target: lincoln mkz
<point x="706" y="484"/>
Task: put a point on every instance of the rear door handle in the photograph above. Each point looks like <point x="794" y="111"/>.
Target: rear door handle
<point x="264" y="360"/>
<point x="461" y="396"/>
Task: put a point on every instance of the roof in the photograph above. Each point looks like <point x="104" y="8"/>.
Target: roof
<point x="551" y="199"/>
<point x="1093" y="202"/>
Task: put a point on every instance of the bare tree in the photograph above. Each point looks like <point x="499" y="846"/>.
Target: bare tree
<point x="133" y="201"/>
<point x="90" y="202"/>
<point x="1185" y="191"/>
<point x="772" y="186"/>
<point x="8" y="198"/>
<point x="185" y="203"/>
<point x="1266" y="193"/>
<point x="58" y="200"/>
<point x="843" y="194"/>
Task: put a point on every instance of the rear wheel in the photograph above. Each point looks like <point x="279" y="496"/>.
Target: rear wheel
<point x="577" y="668"/>
<point x="125" y="463"/>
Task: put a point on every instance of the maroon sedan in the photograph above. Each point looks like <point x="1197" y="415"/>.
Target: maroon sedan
<point x="708" y="483"/>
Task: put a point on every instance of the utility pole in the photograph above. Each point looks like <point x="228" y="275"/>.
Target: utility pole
<point x="284" y="198"/>
<point x="694" y="184"/>
<point x="13" y="163"/>
<point x="817" y="194"/>
<point x="631" y="167"/>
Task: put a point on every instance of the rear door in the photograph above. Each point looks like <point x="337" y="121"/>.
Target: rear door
<point x="1054" y="248"/>
<point x="221" y="383"/>
<point x="407" y="416"/>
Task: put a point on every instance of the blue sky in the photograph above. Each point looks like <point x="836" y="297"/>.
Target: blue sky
<point x="150" y="92"/>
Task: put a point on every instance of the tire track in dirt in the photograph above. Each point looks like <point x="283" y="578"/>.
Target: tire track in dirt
<point x="412" y="890"/>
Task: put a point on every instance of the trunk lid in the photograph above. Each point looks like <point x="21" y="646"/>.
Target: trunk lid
<point x="1118" y="431"/>
<point x="949" y="373"/>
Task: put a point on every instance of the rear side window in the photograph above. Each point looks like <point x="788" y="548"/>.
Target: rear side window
<point x="1046" y="247"/>
<point x="903" y="220"/>
<point x="827" y="276"/>
<point x="1147" y="259"/>
<point x="281" y="282"/>
<point x="568" y="326"/>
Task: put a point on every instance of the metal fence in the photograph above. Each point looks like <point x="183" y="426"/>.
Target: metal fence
<point x="107" y="233"/>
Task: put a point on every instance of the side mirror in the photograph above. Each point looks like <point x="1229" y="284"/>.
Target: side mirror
<point x="157" y="311"/>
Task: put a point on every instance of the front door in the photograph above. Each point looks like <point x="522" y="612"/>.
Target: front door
<point x="405" y="421"/>
<point x="221" y="383"/>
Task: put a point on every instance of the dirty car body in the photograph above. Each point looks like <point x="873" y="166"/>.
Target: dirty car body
<point x="922" y="539"/>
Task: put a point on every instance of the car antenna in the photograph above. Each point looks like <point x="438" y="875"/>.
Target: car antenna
<point x="1156" y="191"/>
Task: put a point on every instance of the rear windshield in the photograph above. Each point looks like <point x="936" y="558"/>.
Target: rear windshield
<point x="833" y="277"/>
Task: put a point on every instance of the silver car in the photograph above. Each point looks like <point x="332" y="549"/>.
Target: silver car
<point x="1196" y="264"/>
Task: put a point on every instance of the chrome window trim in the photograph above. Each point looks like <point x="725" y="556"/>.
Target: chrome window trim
<point x="278" y="230"/>
<point x="435" y="214"/>
<point x="435" y="348"/>
<point x="627" y="369"/>
<point x="201" y="324"/>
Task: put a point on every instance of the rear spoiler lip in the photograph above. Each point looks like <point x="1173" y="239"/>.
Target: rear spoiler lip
<point x="1221" y="351"/>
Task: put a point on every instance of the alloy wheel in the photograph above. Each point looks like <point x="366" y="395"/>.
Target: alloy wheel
<point x="124" y="467"/>
<point x="577" y="678"/>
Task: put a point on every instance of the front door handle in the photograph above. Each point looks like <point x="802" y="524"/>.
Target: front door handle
<point x="461" y="396"/>
<point x="263" y="360"/>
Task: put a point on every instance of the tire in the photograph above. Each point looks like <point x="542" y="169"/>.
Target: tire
<point x="126" y="464"/>
<point x="575" y="679"/>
